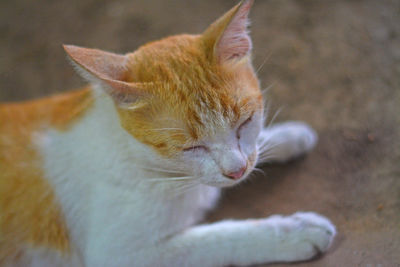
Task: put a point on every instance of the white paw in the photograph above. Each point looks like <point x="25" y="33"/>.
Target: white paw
<point x="304" y="235"/>
<point x="302" y="137"/>
<point x="317" y="229"/>
<point x="284" y="141"/>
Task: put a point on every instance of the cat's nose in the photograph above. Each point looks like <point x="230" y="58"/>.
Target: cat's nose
<point x="236" y="174"/>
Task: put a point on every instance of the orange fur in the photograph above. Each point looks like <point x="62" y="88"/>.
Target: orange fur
<point x="181" y="82"/>
<point x="29" y="211"/>
<point x="178" y="89"/>
<point x="185" y="82"/>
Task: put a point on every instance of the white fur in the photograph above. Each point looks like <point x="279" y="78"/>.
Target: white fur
<point x="42" y="257"/>
<point x="284" y="141"/>
<point x="119" y="213"/>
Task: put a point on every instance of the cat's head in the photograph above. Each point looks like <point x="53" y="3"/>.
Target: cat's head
<point x="194" y="99"/>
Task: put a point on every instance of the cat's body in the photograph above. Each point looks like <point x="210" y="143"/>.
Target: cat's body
<point x="118" y="174"/>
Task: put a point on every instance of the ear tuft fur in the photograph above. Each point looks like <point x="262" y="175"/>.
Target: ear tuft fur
<point x="228" y="36"/>
<point x="104" y="68"/>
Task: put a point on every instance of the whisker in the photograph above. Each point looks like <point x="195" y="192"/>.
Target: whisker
<point x="266" y="89"/>
<point x="263" y="63"/>
<point x="268" y="145"/>
<point x="163" y="170"/>
<point x="274" y="117"/>
<point x="185" y="188"/>
<point x="266" y="148"/>
<point x="166" y="179"/>
<point x="264" y="93"/>
<point x="258" y="170"/>
<point x="266" y="112"/>
<point x="267" y="151"/>
<point x="267" y="158"/>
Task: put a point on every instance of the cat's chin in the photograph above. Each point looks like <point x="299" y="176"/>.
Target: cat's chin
<point x="222" y="181"/>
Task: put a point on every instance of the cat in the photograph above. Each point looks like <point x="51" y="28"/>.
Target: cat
<point x="118" y="173"/>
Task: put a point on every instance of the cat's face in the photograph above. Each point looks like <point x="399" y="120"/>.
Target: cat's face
<point x="194" y="99"/>
<point x="203" y="115"/>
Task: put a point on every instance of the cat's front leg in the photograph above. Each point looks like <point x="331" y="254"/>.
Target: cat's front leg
<point x="284" y="141"/>
<point x="298" y="237"/>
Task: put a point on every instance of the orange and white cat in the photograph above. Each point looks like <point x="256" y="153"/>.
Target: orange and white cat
<point x="120" y="172"/>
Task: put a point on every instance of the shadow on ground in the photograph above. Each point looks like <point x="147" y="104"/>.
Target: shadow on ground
<point x="334" y="64"/>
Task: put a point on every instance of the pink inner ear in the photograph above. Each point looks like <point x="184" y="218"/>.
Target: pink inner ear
<point x="109" y="68"/>
<point x="235" y="42"/>
<point x="103" y="65"/>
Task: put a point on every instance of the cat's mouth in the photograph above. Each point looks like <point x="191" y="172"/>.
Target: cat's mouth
<point x="236" y="175"/>
<point x="226" y="181"/>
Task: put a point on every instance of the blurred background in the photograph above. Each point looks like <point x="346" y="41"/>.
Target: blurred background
<point x="333" y="64"/>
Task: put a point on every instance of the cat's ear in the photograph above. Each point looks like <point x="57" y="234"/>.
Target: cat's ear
<point x="106" y="68"/>
<point x="228" y="37"/>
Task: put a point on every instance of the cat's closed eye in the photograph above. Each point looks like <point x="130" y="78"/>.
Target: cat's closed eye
<point x="243" y="125"/>
<point x="195" y="148"/>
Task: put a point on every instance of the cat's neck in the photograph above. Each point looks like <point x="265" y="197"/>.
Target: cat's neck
<point x="99" y="172"/>
<point x="98" y="148"/>
<point x="100" y="129"/>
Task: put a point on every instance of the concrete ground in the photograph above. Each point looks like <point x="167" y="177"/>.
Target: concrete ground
<point x="334" y="64"/>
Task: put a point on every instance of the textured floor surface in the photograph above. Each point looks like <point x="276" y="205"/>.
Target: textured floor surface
<point x="334" y="64"/>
